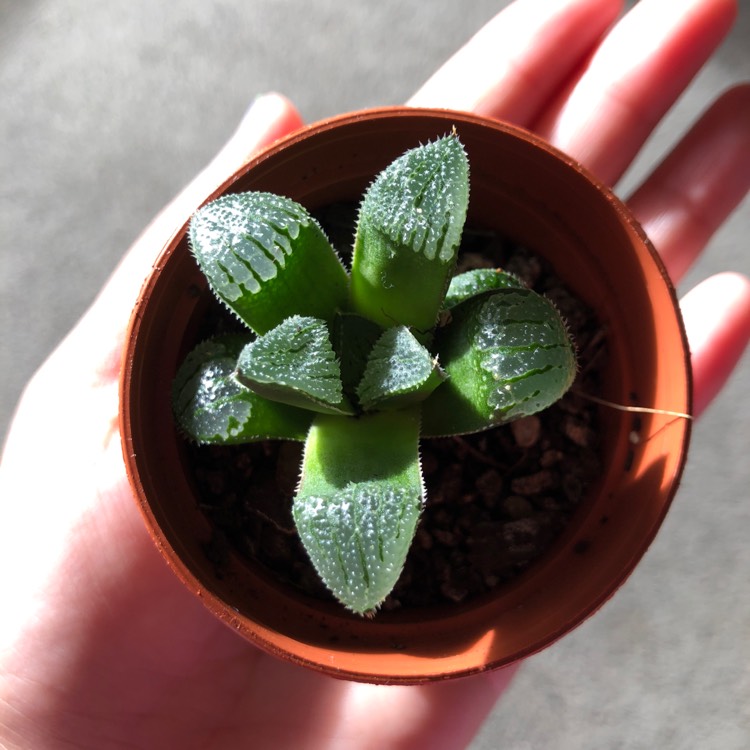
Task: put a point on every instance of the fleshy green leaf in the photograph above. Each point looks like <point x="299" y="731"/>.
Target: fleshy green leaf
<point x="295" y="364"/>
<point x="359" y="502"/>
<point x="400" y="371"/>
<point x="507" y="355"/>
<point x="408" y="233"/>
<point x="267" y="259"/>
<point x="212" y="407"/>
<point x="478" y="281"/>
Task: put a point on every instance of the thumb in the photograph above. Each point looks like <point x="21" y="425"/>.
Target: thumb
<point x="717" y="321"/>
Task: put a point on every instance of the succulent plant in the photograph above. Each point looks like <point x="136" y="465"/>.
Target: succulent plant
<point x="362" y="363"/>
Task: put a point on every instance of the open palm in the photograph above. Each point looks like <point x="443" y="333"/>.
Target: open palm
<point x="102" y="647"/>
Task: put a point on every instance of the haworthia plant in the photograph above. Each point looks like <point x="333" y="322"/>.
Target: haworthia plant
<point x="360" y="363"/>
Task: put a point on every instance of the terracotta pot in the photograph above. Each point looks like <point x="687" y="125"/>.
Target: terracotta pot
<point x="533" y="194"/>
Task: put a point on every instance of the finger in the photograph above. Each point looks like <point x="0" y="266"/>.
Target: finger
<point x="436" y="715"/>
<point x="512" y="67"/>
<point x="717" y="321"/>
<point x="632" y="80"/>
<point x="690" y="194"/>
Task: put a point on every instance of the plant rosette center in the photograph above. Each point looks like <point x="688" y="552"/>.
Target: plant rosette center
<point x="362" y="363"/>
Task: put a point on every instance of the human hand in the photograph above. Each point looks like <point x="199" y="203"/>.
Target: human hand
<point x="101" y="645"/>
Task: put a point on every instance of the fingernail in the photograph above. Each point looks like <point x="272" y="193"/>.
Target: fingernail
<point x="257" y="104"/>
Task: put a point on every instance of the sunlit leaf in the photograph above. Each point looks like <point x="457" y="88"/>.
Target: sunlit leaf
<point x="409" y="229"/>
<point x="359" y="502"/>
<point x="267" y="259"/>
<point x="400" y="371"/>
<point x="295" y="364"/>
<point x="507" y="355"/>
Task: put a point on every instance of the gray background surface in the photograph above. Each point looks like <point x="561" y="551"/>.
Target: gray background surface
<point x="108" y="109"/>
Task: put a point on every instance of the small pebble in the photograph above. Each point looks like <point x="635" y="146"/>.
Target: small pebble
<point x="490" y="483"/>
<point x="550" y="458"/>
<point x="517" y="507"/>
<point x="533" y="484"/>
<point x="577" y="432"/>
<point x="526" y="431"/>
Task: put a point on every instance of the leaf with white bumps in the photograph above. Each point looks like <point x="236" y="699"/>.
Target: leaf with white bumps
<point x="266" y="258"/>
<point x="507" y="355"/>
<point x="408" y="233"/>
<point x="359" y="501"/>
<point x="399" y="372"/>
<point x="295" y="364"/>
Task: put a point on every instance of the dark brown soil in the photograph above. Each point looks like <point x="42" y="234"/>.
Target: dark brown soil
<point x="496" y="501"/>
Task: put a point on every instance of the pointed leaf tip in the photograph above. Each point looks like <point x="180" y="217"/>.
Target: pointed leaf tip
<point x="358" y="538"/>
<point x="478" y="281"/>
<point x="420" y="199"/>
<point x="294" y="363"/>
<point x="399" y="371"/>
<point x="409" y="228"/>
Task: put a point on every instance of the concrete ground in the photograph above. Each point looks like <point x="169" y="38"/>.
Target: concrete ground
<point x="107" y="109"/>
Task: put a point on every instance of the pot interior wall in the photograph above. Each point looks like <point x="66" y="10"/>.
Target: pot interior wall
<point x="522" y="188"/>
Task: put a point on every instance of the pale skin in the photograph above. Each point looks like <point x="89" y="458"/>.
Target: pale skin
<point x="100" y="645"/>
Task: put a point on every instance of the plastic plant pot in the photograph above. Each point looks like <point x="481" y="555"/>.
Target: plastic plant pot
<point x="537" y="196"/>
